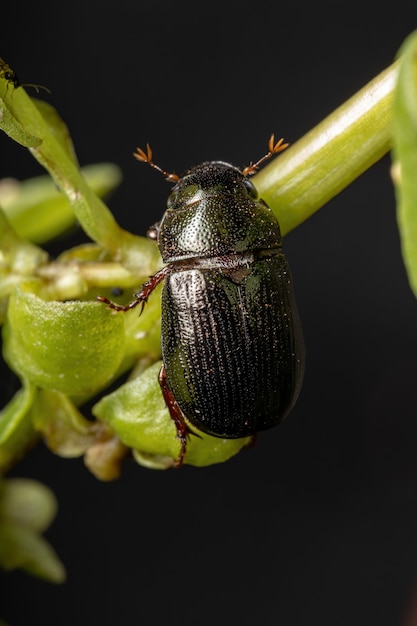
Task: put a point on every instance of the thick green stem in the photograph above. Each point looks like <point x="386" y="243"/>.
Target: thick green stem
<point x="329" y="157"/>
<point x="405" y="155"/>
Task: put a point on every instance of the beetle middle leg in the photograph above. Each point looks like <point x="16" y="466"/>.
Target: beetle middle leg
<point x="143" y="295"/>
<point x="183" y="431"/>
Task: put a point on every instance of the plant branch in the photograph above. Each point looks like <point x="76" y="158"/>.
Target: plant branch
<point x="329" y="157"/>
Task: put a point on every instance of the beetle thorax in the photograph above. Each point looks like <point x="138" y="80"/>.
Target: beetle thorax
<point x="213" y="211"/>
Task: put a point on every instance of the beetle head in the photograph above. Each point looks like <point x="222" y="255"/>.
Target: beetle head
<point x="210" y="179"/>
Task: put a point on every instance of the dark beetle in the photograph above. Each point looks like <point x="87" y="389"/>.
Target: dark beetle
<point x="10" y="76"/>
<point x="232" y="343"/>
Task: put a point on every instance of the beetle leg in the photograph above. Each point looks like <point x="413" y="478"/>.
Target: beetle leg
<point x="143" y="295"/>
<point x="183" y="431"/>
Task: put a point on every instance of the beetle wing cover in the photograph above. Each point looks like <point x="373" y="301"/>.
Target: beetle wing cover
<point x="232" y="346"/>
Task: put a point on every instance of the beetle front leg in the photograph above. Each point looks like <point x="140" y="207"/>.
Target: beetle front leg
<point x="176" y="414"/>
<point x="143" y="295"/>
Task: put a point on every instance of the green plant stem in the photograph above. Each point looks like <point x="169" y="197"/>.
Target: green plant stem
<point x="36" y="125"/>
<point x="329" y="157"/>
<point x="405" y="155"/>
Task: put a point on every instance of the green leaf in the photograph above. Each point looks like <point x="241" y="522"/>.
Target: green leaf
<point x="11" y="126"/>
<point x="22" y="549"/>
<point x="27" y="509"/>
<point x="56" y="126"/>
<point x="27" y="503"/>
<point x="16" y="430"/>
<point x="143" y="333"/>
<point x="38" y="211"/>
<point x="138" y="415"/>
<point x="405" y="155"/>
<point x="64" y="429"/>
<point x="16" y="254"/>
<point x="54" y="152"/>
<point x="73" y="347"/>
<point x="104" y="458"/>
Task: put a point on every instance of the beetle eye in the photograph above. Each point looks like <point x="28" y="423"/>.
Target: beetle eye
<point x="250" y="187"/>
<point x="172" y="198"/>
<point x="182" y="197"/>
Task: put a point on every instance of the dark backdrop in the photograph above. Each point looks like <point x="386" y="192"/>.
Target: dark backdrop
<point x="317" y="524"/>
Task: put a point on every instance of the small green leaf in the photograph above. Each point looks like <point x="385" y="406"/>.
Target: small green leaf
<point x="38" y="211"/>
<point x="16" y="430"/>
<point x="64" y="429"/>
<point x="27" y="503"/>
<point x="73" y="347"/>
<point x="57" y="128"/>
<point x="22" y="549"/>
<point x="105" y="456"/>
<point x="405" y="155"/>
<point x="138" y="415"/>
<point x="27" y="508"/>
<point x="143" y="332"/>
<point x="16" y="254"/>
<point x="12" y="127"/>
<point x="54" y="152"/>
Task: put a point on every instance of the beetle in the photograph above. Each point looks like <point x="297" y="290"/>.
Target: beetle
<point x="10" y="76"/>
<point x="232" y="342"/>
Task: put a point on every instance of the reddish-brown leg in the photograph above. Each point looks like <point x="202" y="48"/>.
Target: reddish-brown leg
<point x="176" y="414"/>
<point x="143" y="295"/>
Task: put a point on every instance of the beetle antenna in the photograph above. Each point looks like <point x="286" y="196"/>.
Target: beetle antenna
<point x="146" y="157"/>
<point x="36" y="87"/>
<point x="273" y="148"/>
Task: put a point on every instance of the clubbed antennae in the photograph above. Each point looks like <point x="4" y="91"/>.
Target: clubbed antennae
<point x="273" y="148"/>
<point x="146" y="157"/>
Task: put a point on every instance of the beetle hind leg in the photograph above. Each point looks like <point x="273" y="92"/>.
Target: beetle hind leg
<point x="183" y="431"/>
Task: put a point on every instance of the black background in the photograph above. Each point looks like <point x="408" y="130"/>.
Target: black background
<point x="317" y="524"/>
